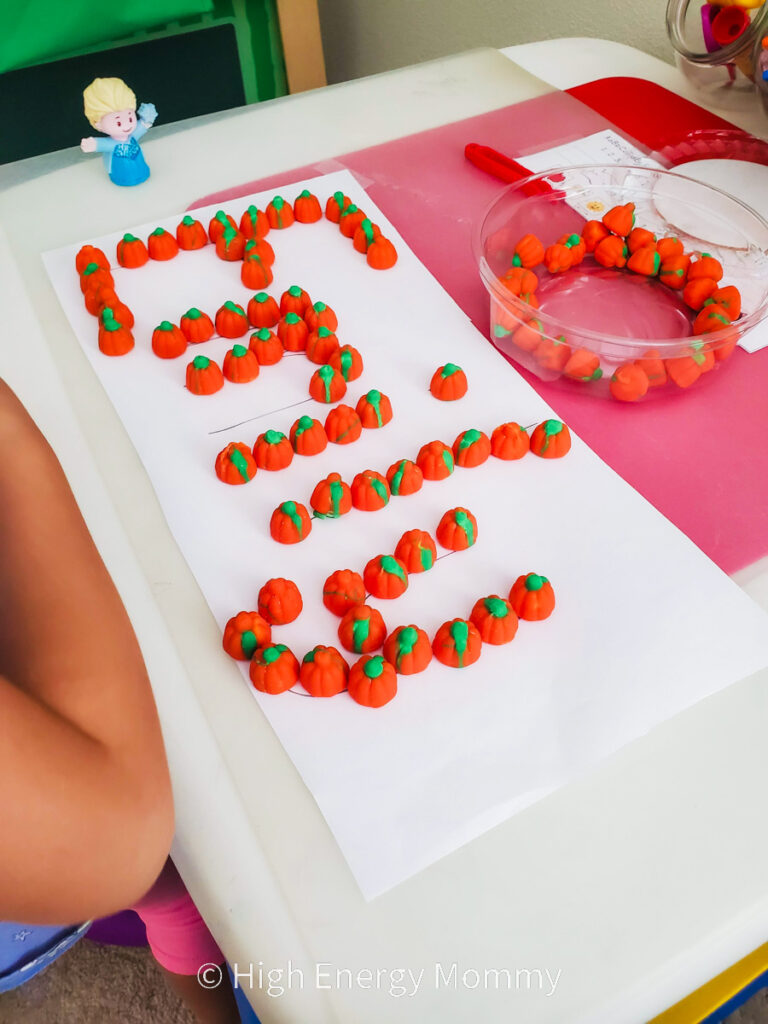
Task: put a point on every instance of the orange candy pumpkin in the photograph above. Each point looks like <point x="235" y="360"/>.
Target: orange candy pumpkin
<point x="326" y="385"/>
<point x="168" y="341"/>
<point x="577" y="246"/>
<point x="290" y="523"/>
<point x="471" y="448"/>
<point x="94" y="276"/>
<point x="551" y="440"/>
<point x="88" y="254"/>
<point x="204" y="377"/>
<point x="114" y="338"/>
<point x="366" y="233"/>
<point x="653" y="367"/>
<point x="272" y="450"/>
<point x="529" y="252"/>
<point x="457" y="530"/>
<point x="640" y="238"/>
<point x="294" y="300"/>
<point x="729" y="298"/>
<point x="553" y="353"/>
<point x="673" y="271"/>
<point x="593" y="232"/>
<point x="335" y="205"/>
<point x="669" y="247"/>
<point x="435" y="460"/>
<point x="520" y="280"/>
<point x="457" y="644"/>
<point x="408" y="650"/>
<point x="331" y="498"/>
<point x="416" y="551"/>
<point x="381" y="254"/>
<point x="321" y="344"/>
<point x="629" y="383"/>
<point x="262" y="310"/>
<point x="196" y="326"/>
<point x="256" y="272"/>
<point x="686" y="370"/>
<point x="532" y="597"/>
<point x="320" y="315"/>
<point x="266" y="346"/>
<point x="344" y="589"/>
<point x="230" y="245"/>
<point x="370" y="491"/>
<point x="372" y="681"/>
<point x="161" y="245"/>
<point x="107" y="298"/>
<point x="697" y="291"/>
<point x="293" y="333"/>
<point x="244" y="633"/>
<point x="529" y="335"/>
<point x="323" y="672"/>
<point x="620" y="219"/>
<point x="611" y="252"/>
<point x="705" y="266"/>
<point x="495" y="619"/>
<point x="510" y="442"/>
<point x="348" y="361"/>
<point x="404" y="477"/>
<point x="350" y="220"/>
<point x="218" y="223"/>
<point x="308" y="436"/>
<point x="280" y="601"/>
<point x="231" y="321"/>
<point x="259" y="247"/>
<point x="374" y="409"/>
<point x="131" y="252"/>
<point x="362" y="629"/>
<point x="583" y="365"/>
<point x="342" y="425"/>
<point x="448" y="383"/>
<point x="254" y="223"/>
<point x="645" y="261"/>
<point x="711" y="317"/>
<point x="274" y="669"/>
<point x="190" y="234"/>
<point x="557" y="258"/>
<point x="235" y="464"/>
<point x="306" y="208"/>
<point x="241" y="365"/>
<point x="279" y="213"/>
<point x="385" y="577"/>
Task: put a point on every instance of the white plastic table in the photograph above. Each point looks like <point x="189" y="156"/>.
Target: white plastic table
<point x="638" y="882"/>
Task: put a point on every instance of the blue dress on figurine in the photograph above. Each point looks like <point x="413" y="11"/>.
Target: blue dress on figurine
<point x="125" y="161"/>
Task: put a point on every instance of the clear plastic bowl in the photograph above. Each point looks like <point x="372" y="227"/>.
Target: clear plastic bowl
<point x="615" y="316"/>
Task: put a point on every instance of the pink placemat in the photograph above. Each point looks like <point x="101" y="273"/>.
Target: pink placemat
<point x="700" y="458"/>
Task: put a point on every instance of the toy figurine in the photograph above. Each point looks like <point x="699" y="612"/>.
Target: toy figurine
<point x="110" y="106"/>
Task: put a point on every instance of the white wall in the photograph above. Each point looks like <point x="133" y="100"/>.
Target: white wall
<point x="361" y="37"/>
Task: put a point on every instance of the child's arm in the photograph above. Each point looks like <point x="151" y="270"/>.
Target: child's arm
<point x="85" y="796"/>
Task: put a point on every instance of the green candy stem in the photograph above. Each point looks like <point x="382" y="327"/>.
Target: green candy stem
<point x="165" y="325"/>
<point x="320" y="307"/>
<point x="261" y="297"/>
<point x="192" y="314"/>
<point x="238" y="461"/>
<point x="289" y="509"/>
<point x="374" y="667"/>
<point x="305" y="423"/>
<point x="496" y="607"/>
<point x="374" y="400"/>
<point x="233" y="307"/>
<point x="392" y="567"/>
<point x="551" y="429"/>
<point x="407" y="639"/>
<point x="360" y="631"/>
<point x="345" y="361"/>
<point x="222" y="218"/>
<point x="338" y="198"/>
<point x="459" y="632"/>
<point x="304" y="194"/>
<point x="292" y="318"/>
<point x="469" y="438"/>
<point x="449" y="369"/>
<point x="336" y="492"/>
<point x="187" y="221"/>
<point x="238" y="351"/>
<point x="397" y="477"/>
<point x="380" y="490"/>
<point x="272" y="654"/>
<point x="448" y="459"/>
<point x="367" y="227"/>
<point x="158" y="231"/>
<point x="278" y="203"/>
<point x="249" y="643"/>
<point x="130" y="238"/>
<point x="263" y="334"/>
<point x="274" y="437"/>
<point x="465" y="523"/>
<point x="325" y="373"/>
<point x="535" y="582"/>
<point x="427" y="559"/>
<point x="295" y="291"/>
<point x="253" y="213"/>
<point x="201" y="362"/>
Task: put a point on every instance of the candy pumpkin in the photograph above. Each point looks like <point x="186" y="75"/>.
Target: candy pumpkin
<point x="254" y="223"/>
<point x="370" y="491"/>
<point x="131" y="252"/>
<point x="495" y="619"/>
<point x="190" y="234"/>
<point x="279" y="213"/>
<point x="725" y="349"/>
<point x="711" y="317"/>
<point x="231" y="321"/>
<point x="331" y="498"/>
<point x="161" y="245"/>
<point x="272" y="450"/>
<point x="705" y="266"/>
<point x="323" y="672"/>
<point x="204" y="377"/>
<point x="94" y="276"/>
<point x="293" y="333"/>
<point x="114" y="338"/>
<point x="577" y="246"/>
<point x="557" y="258"/>
<point x="593" y="232"/>
<point x="106" y="296"/>
<point x="290" y="523"/>
<point x="335" y="205"/>
<point x="372" y="681"/>
<point x="729" y="298"/>
<point x="529" y="335"/>
<point x="529" y="252"/>
<point x="266" y="346"/>
<point x="374" y="409"/>
<point x="218" y="223"/>
<point x="652" y="366"/>
<point x="645" y="261"/>
<point x="510" y="442"/>
<point x="262" y="310"/>
<point x="362" y="629"/>
<point x="385" y="577"/>
<point x="294" y="300"/>
<point x="168" y="341"/>
<point x="448" y="383"/>
<point x="532" y="597"/>
<point x="256" y="272"/>
<point x="244" y="633"/>
<point x="274" y="669"/>
<point x="98" y="296"/>
<point x="348" y="361"/>
<point x="416" y="550"/>
<point x="404" y="477"/>
<point x="669" y="247"/>
<point x="471" y="448"/>
<point x="530" y="299"/>
<point x="673" y="271"/>
<point x="280" y="601"/>
<point x="88" y="254"/>
<point x="553" y="353"/>
<point x="320" y="315"/>
<point x="408" y="650"/>
<point x="327" y="385"/>
<point x="196" y="326"/>
<point x="583" y="365"/>
<point x="366" y="233"/>
<point x="342" y="425"/>
<point x="350" y="220"/>
<point x="629" y="383"/>
<point x="321" y="344"/>
<point x="435" y="460"/>
<point x="230" y="245"/>
<point x="259" y="247"/>
<point x="457" y="529"/>
<point x="697" y="291"/>
<point x="611" y="252"/>
<point x="620" y="219"/>
<point x="457" y="644"/>
<point x="686" y="369"/>
<point x="308" y="436"/>
<point x="235" y="464"/>
<point x="241" y="365"/>
<point x="381" y="254"/>
<point x="306" y="208"/>
<point x="344" y="589"/>
<point x="519" y="280"/>
<point x="551" y="440"/>
<point x="640" y="238"/>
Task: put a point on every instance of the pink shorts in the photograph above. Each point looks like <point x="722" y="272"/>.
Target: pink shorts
<point x="177" y="935"/>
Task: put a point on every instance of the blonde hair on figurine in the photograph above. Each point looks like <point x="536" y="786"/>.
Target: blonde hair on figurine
<point x="106" y="96"/>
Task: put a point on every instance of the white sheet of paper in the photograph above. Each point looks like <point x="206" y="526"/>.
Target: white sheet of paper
<point x="644" y="626"/>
